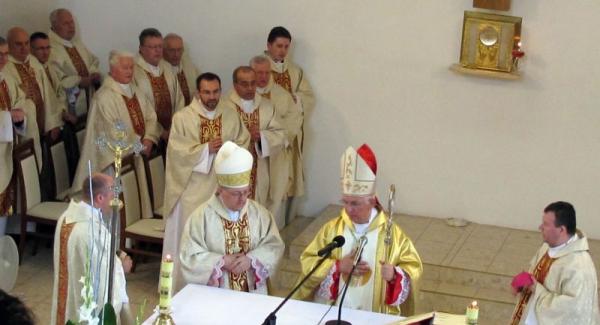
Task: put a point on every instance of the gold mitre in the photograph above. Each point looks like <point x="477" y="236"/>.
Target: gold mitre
<point x="233" y="165"/>
<point x="358" y="168"/>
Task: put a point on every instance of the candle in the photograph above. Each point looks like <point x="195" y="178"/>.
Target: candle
<point x="472" y="313"/>
<point x="165" y="284"/>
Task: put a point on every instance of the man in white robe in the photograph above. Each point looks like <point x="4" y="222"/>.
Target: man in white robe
<point x="118" y="100"/>
<point x="181" y="65"/>
<point x="155" y="79"/>
<point x="561" y="284"/>
<point x="82" y="239"/>
<point x="30" y="75"/>
<point x="13" y="125"/>
<point x="267" y="136"/>
<point x="197" y="133"/>
<point x="76" y="67"/>
<point x="231" y="241"/>
<point x="289" y="114"/>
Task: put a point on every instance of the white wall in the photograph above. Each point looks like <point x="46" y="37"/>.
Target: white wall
<point x="29" y="14"/>
<point x="492" y="151"/>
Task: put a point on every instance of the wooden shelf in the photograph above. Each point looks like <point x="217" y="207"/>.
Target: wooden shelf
<point x="485" y="73"/>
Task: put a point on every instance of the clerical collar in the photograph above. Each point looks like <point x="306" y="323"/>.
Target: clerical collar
<point x="176" y="68"/>
<point x="88" y="206"/>
<point x="155" y="70"/>
<point x="233" y="215"/>
<point x="14" y="60"/>
<point x="247" y="105"/>
<point x="126" y="89"/>
<point x="361" y="228"/>
<point x="261" y="91"/>
<point x="553" y="251"/>
<point x="278" y="66"/>
<point x="64" y="42"/>
<point x="205" y="111"/>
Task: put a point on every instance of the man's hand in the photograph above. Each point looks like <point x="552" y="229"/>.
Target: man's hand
<point x="214" y="145"/>
<point x="126" y="261"/>
<point x="17" y="115"/>
<point x="95" y="77"/>
<point x="165" y="135"/>
<point x="388" y="271"/>
<point x="241" y="264"/>
<point x="68" y="117"/>
<point x="147" y="147"/>
<point x="54" y="133"/>
<point x="229" y="261"/>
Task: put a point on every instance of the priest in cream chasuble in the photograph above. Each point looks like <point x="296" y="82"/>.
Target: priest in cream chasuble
<point x="231" y="241"/>
<point x="267" y="136"/>
<point x="181" y="65"/>
<point x="561" y="286"/>
<point x="197" y="133"/>
<point x="380" y="283"/>
<point x="118" y="100"/>
<point x="76" y="67"/>
<point x="155" y="79"/>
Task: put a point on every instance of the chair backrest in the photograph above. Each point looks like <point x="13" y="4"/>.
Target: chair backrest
<point x="155" y="177"/>
<point x="132" y="209"/>
<point x="28" y="176"/>
<point x="80" y="138"/>
<point x="61" y="170"/>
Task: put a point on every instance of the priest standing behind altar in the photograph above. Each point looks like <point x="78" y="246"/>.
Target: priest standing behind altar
<point x="14" y="108"/>
<point x="82" y="237"/>
<point x="156" y="81"/>
<point x="118" y="100"/>
<point x="291" y="77"/>
<point x="289" y="114"/>
<point x="380" y="283"/>
<point x="197" y="133"/>
<point x="561" y="284"/>
<point x="181" y="65"/>
<point x="76" y="67"/>
<point x="267" y="135"/>
<point x="231" y="241"/>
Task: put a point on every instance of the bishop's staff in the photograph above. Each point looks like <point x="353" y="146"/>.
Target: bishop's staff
<point x="387" y="241"/>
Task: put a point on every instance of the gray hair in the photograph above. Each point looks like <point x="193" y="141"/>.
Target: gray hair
<point x="54" y="15"/>
<point x="259" y="59"/>
<point x="172" y="35"/>
<point x="116" y="55"/>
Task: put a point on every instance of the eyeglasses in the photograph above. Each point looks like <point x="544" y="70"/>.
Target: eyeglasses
<point x="238" y="194"/>
<point x="154" y="47"/>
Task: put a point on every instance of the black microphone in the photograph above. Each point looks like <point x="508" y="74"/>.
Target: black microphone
<point x="338" y="241"/>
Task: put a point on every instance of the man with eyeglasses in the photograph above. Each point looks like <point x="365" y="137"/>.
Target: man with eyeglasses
<point x="155" y="79"/>
<point x="181" y="65"/>
<point x="197" y="133"/>
<point x="267" y="135"/>
<point x="231" y="241"/>
<point x="386" y="284"/>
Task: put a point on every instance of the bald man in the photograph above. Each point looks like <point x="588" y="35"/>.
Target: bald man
<point x="181" y="65"/>
<point x="76" y="67"/>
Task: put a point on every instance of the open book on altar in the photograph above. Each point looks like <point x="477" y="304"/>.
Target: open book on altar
<point x="432" y="318"/>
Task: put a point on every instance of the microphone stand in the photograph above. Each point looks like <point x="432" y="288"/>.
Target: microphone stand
<point x="272" y="318"/>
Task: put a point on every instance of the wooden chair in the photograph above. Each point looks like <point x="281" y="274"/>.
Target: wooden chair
<point x="30" y="207"/>
<point x="58" y="159"/>
<point x="139" y="230"/>
<point x="155" y="178"/>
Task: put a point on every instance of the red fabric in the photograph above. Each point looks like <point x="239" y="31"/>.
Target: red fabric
<point x="522" y="280"/>
<point x="368" y="156"/>
<point x="333" y="290"/>
<point x="393" y="289"/>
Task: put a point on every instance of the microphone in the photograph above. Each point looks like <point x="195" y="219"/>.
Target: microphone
<point x="338" y="241"/>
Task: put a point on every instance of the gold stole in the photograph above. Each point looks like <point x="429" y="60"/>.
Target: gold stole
<point x="77" y="61"/>
<point x="162" y="99"/>
<point x="540" y="272"/>
<point x="251" y="121"/>
<point x="6" y="196"/>
<point x="49" y="76"/>
<point x="237" y="240"/>
<point x="210" y="129"/>
<point x="266" y="95"/>
<point x="284" y="80"/>
<point x="135" y="114"/>
<point x="33" y="92"/>
<point x="184" y="87"/>
<point x="63" y="272"/>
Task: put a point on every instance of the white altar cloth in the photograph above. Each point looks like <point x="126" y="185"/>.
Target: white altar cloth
<point x="197" y="305"/>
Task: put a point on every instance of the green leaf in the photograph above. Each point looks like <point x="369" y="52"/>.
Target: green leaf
<point x="108" y="315"/>
<point x="70" y="322"/>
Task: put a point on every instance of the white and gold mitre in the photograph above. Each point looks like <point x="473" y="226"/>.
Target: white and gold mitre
<point x="358" y="168"/>
<point x="233" y="165"/>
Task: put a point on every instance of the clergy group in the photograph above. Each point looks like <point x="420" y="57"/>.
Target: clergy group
<point x="233" y="176"/>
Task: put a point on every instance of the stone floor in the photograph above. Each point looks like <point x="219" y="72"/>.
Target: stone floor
<point x="460" y="264"/>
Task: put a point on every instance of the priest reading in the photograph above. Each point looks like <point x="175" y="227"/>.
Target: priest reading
<point x="380" y="283"/>
<point x="231" y="241"/>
